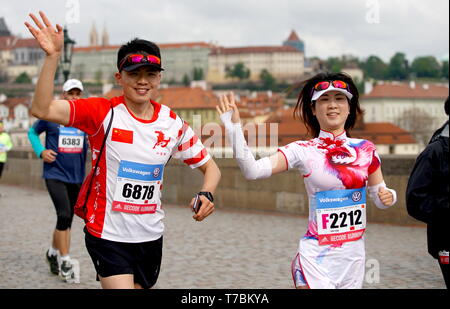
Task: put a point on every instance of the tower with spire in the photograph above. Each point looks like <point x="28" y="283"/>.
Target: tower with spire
<point x="294" y="41"/>
<point x="4" y="31"/>
<point x="93" y="36"/>
<point x="105" y="37"/>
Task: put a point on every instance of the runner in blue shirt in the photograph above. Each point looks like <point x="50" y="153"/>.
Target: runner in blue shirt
<point x="64" y="157"/>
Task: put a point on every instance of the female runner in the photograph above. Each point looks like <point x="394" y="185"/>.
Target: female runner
<point x="337" y="171"/>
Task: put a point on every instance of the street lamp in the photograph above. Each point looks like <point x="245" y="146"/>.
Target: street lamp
<point x="66" y="59"/>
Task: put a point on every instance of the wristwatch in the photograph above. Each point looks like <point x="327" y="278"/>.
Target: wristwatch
<point x="208" y="195"/>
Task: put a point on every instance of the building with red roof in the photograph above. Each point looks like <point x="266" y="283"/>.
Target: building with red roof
<point x="18" y="55"/>
<point x="416" y="107"/>
<point x="285" y="62"/>
<point x="281" y="129"/>
<point x="98" y="63"/>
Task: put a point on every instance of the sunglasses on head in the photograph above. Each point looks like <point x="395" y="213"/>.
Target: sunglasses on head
<point x="139" y="58"/>
<point x="326" y="84"/>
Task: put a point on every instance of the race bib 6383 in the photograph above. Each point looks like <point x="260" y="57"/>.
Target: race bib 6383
<point x="70" y="140"/>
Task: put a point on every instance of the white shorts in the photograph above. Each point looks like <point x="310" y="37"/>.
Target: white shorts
<point x="329" y="267"/>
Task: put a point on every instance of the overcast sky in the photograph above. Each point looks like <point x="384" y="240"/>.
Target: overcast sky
<point x="328" y="27"/>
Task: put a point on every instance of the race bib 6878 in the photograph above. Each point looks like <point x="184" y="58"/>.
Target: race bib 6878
<point x="137" y="187"/>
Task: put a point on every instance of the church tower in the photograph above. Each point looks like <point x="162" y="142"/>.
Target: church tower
<point x="93" y="36"/>
<point x="4" y="31"/>
<point x="294" y="41"/>
<point x="105" y="37"/>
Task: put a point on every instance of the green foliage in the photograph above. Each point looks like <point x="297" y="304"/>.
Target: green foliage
<point x="98" y="77"/>
<point x="268" y="81"/>
<point x="197" y="74"/>
<point x="238" y="71"/>
<point x="444" y="70"/>
<point x="375" y="68"/>
<point x="186" y="80"/>
<point x="426" y="66"/>
<point x="398" y="67"/>
<point x="334" y="64"/>
<point x="23" y="78"/>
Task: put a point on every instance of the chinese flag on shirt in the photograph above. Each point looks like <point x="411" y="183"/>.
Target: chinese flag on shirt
<point x="122" y="136"/>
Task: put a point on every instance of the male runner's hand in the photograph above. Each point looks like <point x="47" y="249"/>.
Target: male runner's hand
<point x="386" y="196"/>
<point x="206" y="208"/>
<point x="51" y="40"/>
<point x="48" y="155"/>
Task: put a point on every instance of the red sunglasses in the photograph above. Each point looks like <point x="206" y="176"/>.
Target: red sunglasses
<point x="326" y="84"/>
<point x="139" y="58"/>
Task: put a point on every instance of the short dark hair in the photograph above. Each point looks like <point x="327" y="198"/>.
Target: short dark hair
<point x="137" y="45"/>
<point x="303" y="109"/>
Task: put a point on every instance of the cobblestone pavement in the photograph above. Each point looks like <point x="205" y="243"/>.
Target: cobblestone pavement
<point x="231" y="249"/>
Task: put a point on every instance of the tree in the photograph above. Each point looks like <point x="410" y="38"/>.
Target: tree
<point x="267" y="79"/>
<point x="444" y="70"/>
<point x="375" y="68"/>
<point x="186" y="81"/>
<point x="98" y="76"/>
<point x="23" y="78"/>
<point x="426" y="66"/>
<point x="418" y="122"/>
<point x="238" y="71"/>
<point x="398" y="67"/>
<point x="197" y="74"/>
<point x="3" y="75"/>
<point x="334" y="64"/>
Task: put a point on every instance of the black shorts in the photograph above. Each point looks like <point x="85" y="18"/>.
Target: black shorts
<point x="110" y="258"/>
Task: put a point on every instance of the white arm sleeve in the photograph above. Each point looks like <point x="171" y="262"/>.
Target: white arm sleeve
<point x="251" y="169"/>
<point x="373" y="194"/>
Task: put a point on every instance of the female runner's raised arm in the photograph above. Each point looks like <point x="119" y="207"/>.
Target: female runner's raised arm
<point x="251" y="168"/>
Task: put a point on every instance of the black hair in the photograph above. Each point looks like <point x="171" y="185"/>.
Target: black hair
<point x="137" y="45"/>
<point x="303" y="109"/>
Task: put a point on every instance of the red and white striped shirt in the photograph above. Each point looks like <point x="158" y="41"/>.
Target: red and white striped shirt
<point x="125" y="200"/>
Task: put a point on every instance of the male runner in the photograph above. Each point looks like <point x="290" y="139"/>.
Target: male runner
<point x="64" y="157"/>
<point x="123" y="212"/>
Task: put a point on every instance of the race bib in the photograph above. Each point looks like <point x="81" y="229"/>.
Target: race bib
<point x="70" y="140"/>
<point x="341" y="215"/>
<point x="137" y="187"/>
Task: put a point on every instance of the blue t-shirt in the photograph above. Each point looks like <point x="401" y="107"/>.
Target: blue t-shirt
<point x="71" y="146"/>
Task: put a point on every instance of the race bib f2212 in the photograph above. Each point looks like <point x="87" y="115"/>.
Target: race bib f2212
<point x="341" y="215"/>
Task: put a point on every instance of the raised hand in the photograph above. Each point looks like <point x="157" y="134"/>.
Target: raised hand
<point x="51" y="40"/>
<point x="228" y="103"/>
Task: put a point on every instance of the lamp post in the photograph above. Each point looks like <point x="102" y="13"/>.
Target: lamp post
<point x="66" y="59"/>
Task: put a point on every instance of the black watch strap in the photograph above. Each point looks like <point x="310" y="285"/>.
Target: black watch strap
<point x="208" y="195"/>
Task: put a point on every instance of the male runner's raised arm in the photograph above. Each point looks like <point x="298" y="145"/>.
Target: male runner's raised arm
<point x="51" y="41"/>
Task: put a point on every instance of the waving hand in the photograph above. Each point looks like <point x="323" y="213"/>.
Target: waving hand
<point x="51" y="40"/>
